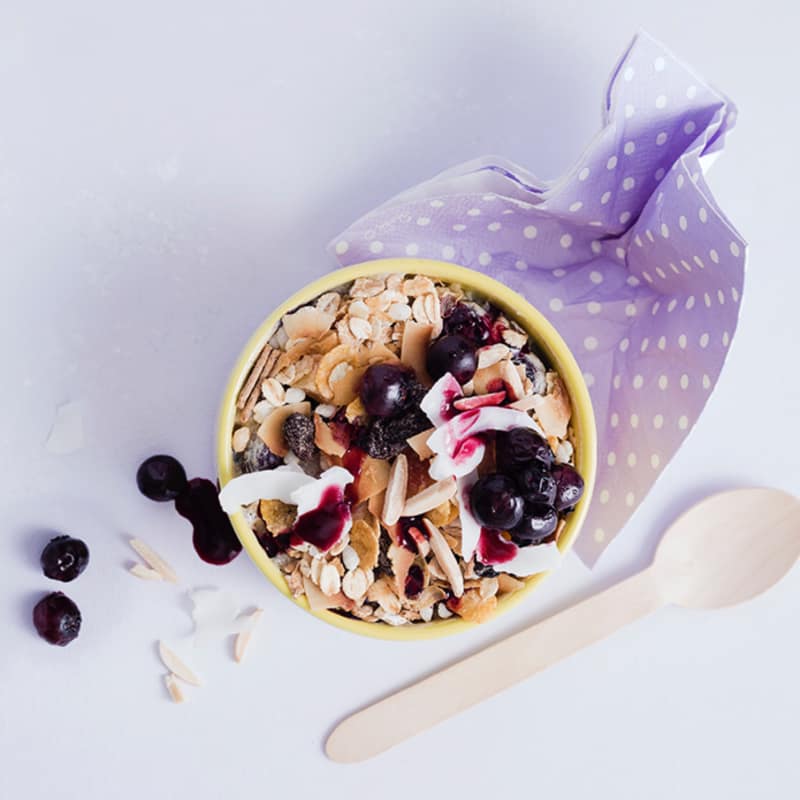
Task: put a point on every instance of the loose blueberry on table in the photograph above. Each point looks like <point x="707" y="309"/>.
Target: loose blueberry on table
<point x="57" y="619"/>
<point x="64" y="558"/>
<point x="412" y="478"/>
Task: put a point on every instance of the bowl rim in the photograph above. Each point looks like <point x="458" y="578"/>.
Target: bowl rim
<point x="548" y="341"/>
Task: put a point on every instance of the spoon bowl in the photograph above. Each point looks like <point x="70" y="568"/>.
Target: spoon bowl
<point x="729" y="548"/>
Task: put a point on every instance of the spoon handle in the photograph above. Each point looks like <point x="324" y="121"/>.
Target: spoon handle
<point x="478" y="677"/>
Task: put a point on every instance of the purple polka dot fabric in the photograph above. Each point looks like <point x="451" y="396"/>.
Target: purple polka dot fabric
<point x="627" y="254"/>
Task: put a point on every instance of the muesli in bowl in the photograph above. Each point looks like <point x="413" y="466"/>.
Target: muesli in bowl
<point x="403" y="451"/>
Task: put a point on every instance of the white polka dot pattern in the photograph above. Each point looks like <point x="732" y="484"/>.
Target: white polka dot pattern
<point x="627" y="254"/>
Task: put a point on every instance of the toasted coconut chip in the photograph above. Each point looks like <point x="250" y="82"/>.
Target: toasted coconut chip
<point x="365" y="540"/>
<point x="444" y="514"/>
<point x="344" y="382"/>
<point x="307" y="321"/>
<point x="430" y="498"/>
<point x="375" y="503"/>
<point x="491" y="354"/>
<point x="488" y="587"/>
<point x="341" y="354"/>
<point x="414" y="349"/>
<point x="325" y="440"/>
<point x="174" y="688"/>
<point x="473" y="608"/>
<point x="243" y="638"/>
<point x="402" y="559"/>
<point x="373" y="478"/>
<point x="515" y="339"/>
<point x="145" y="573"/>
<point x="271" y="429"/>
<point x="277" y="515"/>
<point x="507" y="584"/>
<point x="154" y="560"/>
<point x="395" y="496"/>
<point x="445" y="558"/>
<point x="554" y="409"/>
<point x="317" y="601"/>
<point x="176" y="666"/>
<point x="382" y="593"/>
<point x="355" y="409"/>
<point x="497" y="377"/>
<point x="526" y="403"/>
<point x="419" y="444"/>
<point x="431" y="595"/>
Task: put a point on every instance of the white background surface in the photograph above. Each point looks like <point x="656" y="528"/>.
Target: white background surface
<point x="168" y="173"/>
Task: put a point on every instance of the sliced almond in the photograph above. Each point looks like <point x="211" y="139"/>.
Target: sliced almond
<point x="271" y="429"/>
<point x="174" y="688"/>
<point x="414" y="348"/>
<point x="419" y="444"/>
<point x="444" y="514"/>
<point x="243" y="638"/>
<point x="176" y="666"/>
<point x="488" y="587"/>
<point x="154" y="560"/>
<point x="325" y="440"/>
<point x="429" y="498"/>
<point x="395" y="490"/>
<point x="367" y="286"/>
<point x="307" y="322"/>
<point x="445" y="557"/>
<point x="399" y="312"/>
<point x="145" y="573"/>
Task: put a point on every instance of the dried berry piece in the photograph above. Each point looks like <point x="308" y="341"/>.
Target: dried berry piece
<point x="64" y="558"/>
<point x="298" y="432"/>
<point x="57" y="619"/>
<point x="257" y="457"/>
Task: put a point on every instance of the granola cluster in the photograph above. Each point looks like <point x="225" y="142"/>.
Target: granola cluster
<point x="401" y="560"/>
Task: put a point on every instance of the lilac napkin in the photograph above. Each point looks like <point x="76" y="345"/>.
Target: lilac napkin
<point x="627" y="254"/>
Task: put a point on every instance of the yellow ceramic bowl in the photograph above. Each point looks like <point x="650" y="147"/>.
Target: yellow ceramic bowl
<point x="550" y="344"/>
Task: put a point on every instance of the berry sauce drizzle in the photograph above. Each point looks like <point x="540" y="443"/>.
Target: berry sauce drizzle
<point x="353" y="461"/>
<point x="213" y="536"/>
<point x="323" y="526"/>
<point x="493" y="548"/>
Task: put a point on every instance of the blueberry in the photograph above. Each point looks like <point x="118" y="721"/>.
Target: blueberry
<point x="57" y="619"/>
<point x="569" y="485"/>
<point x="64" y="558"/>
<point x="161" y="478"/>
<point x="454" y="354"/>
<point x="496" y="502"/>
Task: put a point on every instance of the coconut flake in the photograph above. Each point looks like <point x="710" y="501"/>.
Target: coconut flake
<point x="215" y="615"/>
<point x="532" y="559"/>
<point x="436" y="403"/>
<point x="269" y="484"/>
<point x="66" y="435"/>
<point x="308" y="495"/>
<point x="470" y="527"/>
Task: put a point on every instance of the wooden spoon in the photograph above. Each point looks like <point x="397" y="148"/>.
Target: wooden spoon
<point x="726" y="549"/>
